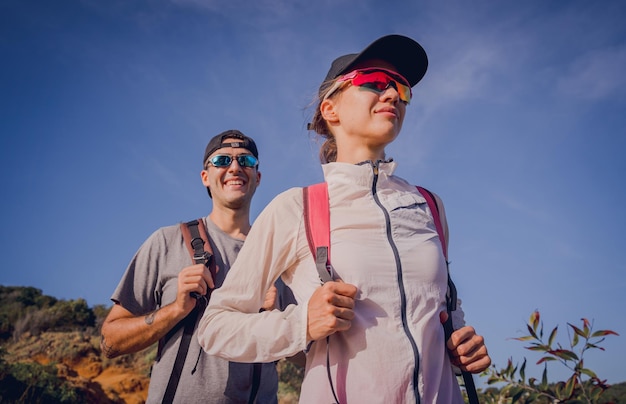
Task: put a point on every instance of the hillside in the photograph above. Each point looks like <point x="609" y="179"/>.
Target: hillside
<point x="50" y="353"/>
<point x="76" y="357"/>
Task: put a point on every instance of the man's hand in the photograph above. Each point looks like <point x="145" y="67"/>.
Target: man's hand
<point x="330" y="309"/>
<point x="195" y="278"/>
<point x="270" y="299"/>
<point x="468" y="350"/>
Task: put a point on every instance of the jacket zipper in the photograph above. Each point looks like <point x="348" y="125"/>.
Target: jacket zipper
<point x="396" y="255"/>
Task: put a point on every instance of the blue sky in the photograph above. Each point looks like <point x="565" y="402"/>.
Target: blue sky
<point x="519" y="125"/>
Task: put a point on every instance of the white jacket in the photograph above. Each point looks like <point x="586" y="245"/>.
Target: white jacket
<point x="383" y="241"/>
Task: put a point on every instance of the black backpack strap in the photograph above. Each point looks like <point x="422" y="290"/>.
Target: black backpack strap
<point x="183" y="348"/>
<point x="197" y="242"/>
<point x="256" y="381"/>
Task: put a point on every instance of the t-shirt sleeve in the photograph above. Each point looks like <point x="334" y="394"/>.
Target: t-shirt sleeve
<point x="139" y="289"/>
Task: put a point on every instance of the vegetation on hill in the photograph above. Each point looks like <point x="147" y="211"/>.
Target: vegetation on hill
<point x="583" y="386"/>
<point x="50" y="353"/>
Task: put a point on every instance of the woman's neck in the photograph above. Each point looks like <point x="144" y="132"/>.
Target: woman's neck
<point x="355" y="149"/>
<point x="358" y="155"/>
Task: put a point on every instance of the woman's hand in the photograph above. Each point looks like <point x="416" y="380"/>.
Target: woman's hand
<point x="468" y="350"/>
<point x="330" y="309"/>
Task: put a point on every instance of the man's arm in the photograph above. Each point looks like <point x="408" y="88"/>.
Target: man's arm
<point x="123" y="332"/>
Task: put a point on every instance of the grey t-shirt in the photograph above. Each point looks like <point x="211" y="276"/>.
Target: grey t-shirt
<point x="150" y="282"/>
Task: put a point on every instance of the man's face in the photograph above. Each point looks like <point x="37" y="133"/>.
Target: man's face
<point x="231" y="186"/>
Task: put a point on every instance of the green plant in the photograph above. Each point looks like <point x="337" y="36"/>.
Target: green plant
<point x="289" y="381"/>
<point x="34" y="383"/>
<point x="583" y="386"/>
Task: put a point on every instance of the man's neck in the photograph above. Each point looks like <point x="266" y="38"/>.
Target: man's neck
<point x="235" y="223"/>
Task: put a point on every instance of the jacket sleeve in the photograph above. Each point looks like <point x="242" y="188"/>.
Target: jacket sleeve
<point x="232" y="326"/>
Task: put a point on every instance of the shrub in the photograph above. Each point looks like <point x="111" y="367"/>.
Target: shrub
<point x="583" y="386"/>
<point x="34" y="383"/>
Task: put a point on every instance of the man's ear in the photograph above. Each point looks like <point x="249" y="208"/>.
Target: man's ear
<point x="204" y="175"/>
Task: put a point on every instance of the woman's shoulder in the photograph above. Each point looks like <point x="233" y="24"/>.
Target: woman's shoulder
<point x="287" y="201"/>
<point x="289" y="196"/>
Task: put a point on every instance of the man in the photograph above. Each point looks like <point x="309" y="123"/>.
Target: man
<point x="156" y="292"/>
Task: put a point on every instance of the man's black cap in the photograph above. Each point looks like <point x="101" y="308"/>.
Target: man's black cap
<point x="218" y="142"/>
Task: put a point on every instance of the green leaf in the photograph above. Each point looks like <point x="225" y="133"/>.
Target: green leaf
<point x="569" y="386"/>
<point x="538" y="347"/>
<point x="589" y="373"/>
<point x="564" y="354"/>
<point x="544" y="378"/>
<point x="577" y="330"/>
<point x="532" y="332"/>
<point x="559" y="389"/>
<point x="517" y="396"/>
<point x="601" y="333"/>
<point x="545" y="359"/>
<point x="534" y="320"/>
<point x="522" y="371"/>
<point x="575" y="340"/>
<point x="586" y="325"/>
<point x="494" y="379"/>
<point x="552" y="335"/>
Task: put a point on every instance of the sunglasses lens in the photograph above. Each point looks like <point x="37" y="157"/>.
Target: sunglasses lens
<point x="247" y="161"/>
<point x="404" y="92"/>
<point x="380" y="81"/>
<point x="221" y="161"/>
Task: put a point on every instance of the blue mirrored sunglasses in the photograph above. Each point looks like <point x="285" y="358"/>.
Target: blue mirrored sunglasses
<point x="224" y="160"/>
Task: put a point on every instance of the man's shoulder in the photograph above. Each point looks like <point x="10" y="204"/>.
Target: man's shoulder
<point x="166" y="235"/>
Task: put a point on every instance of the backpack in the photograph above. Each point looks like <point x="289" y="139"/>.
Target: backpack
<point x="317" y="226"/>
<point x="197" y="241"/>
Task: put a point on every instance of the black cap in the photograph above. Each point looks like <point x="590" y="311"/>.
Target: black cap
<point x="218" y="142"/>
<point x="405" y="54"/>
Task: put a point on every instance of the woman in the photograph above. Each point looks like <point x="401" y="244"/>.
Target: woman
<point x="384" y="310"/>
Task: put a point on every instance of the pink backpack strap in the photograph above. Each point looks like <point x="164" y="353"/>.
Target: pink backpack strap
<point x="434" y="209"/>
<point x="317" y="226"/>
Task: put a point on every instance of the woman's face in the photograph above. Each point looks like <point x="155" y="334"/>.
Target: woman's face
<point x="364" y="115"/>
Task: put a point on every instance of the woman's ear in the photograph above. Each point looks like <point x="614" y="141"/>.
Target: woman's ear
<point x="328" y="110"/>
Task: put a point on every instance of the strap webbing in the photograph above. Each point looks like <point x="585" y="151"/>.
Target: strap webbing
<point x="256" y="381"/>
<point x="189" y="324"/>
<point x="316" y="209"/>
<point x="197" y="242"/>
